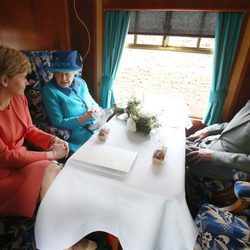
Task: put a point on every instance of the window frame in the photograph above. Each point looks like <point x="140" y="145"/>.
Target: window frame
<point x="165" y="46"/>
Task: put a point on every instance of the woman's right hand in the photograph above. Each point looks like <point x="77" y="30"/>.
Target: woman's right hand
<point x="64" y="143"/>
<point x="58" y="152"/>
<point x="86" y="116"/>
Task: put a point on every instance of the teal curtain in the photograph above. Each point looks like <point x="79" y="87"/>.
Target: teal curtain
<point x="228" y="27"/>
<point x="116" y="28"/>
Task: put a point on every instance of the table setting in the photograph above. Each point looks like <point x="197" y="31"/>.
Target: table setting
<point x="130" y="184"/>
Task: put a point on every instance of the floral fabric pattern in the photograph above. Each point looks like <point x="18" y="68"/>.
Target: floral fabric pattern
<point x="221" y="230"/>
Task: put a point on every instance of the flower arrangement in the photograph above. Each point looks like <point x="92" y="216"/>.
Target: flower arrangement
<point x="137" y="119"/>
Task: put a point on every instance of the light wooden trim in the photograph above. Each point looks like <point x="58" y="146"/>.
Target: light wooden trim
<point x="237" y="208"/>
<point x="238" y="72"/>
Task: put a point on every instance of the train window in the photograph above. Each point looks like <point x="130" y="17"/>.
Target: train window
<point x="154" y="66"/>
<point x="168" y="53"/>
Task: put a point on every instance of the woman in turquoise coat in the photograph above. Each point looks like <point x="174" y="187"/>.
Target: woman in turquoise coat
<point x="67" y="100"/>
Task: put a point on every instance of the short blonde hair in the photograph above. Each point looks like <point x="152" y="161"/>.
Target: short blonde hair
<point x="13" y="62"/>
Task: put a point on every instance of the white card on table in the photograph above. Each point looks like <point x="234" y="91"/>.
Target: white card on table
<point x="112" y="159"/>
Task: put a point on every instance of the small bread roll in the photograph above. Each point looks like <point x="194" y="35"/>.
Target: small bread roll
<point x="159" y="155"/>
<point x="103" y="134"/>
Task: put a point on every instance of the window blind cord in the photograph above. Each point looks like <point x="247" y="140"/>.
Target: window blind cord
<point x="85" y="27"/>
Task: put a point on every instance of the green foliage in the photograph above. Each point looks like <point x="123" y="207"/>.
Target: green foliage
<point x="144" y="123"/>
<point x="133" y="107"/>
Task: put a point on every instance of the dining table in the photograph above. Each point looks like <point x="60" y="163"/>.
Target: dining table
<point x="144" y="206"/>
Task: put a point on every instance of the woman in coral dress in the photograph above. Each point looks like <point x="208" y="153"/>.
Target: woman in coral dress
<point x="24" y="175"/>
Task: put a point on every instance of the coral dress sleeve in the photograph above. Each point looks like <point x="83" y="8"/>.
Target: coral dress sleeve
<point x="34" y="135"/>
<point x="13" y="154"/>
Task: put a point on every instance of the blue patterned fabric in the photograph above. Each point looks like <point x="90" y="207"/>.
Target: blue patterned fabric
<point x="40" y="61"/>
<point x="221" y="230"/>
<point x="200" y="190"/>
<point x="242" y="190"/>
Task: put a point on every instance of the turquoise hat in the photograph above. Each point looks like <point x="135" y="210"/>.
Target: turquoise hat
<point x="64" y="61"/>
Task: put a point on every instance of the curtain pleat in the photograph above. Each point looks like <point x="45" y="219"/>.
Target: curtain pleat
<point x="116" y="28"/>
<point x="228" y="27"/>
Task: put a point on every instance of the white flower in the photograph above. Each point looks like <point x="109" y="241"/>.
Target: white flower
<point x="131" y="125"/>
<point x="145" y="114"/>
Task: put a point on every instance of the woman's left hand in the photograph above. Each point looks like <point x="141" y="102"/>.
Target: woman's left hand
<point x="64" y="143"/>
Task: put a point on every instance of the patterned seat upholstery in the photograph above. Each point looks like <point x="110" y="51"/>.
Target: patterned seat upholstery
<point x="40" y="60"/>
<point x="218" y="229"/>
<point x="201" y="190"/>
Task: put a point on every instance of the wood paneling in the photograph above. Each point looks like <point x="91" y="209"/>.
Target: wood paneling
<point x="239" y="84"/>
<point x="221" y="5"/>
<point x="98" y="47"/>
<point x="79" y="37"/>
<point x="34" y="24"/>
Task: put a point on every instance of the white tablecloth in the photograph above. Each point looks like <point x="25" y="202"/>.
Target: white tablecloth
<point x="146" y="209"/>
